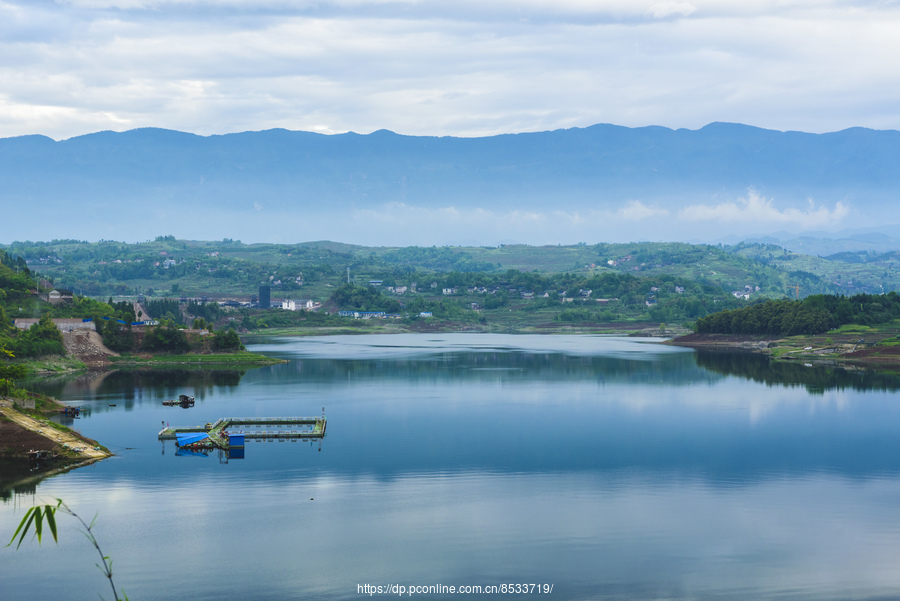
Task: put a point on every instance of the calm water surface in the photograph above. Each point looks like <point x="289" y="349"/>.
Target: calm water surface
<point x="610" y="468"/>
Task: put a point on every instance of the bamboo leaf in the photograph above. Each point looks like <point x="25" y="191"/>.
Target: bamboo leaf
<point x="38" y="522"/>
<point x="50" y="514"/>
<point x="30" y="517"/>
<point x="21" y="525"/>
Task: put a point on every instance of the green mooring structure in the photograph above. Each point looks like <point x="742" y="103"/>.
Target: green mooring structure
<point x="253" y="428"/>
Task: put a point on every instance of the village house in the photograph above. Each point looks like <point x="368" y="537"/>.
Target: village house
<point x="59" y="295"/>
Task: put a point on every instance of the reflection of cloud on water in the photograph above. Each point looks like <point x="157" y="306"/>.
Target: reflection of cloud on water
<point x="758" y="402"/>
<point x="412" y="345"/>
<point x="315" y="536"/>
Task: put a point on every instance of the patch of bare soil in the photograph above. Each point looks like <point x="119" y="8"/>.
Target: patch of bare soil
<point x="88" y="347"/>
<point x="875" y="354"/>
<point x="18" y="441"/>
<point x="721" y="341"/>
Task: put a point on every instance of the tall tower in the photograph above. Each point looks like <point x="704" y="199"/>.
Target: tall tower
<point x="265" y="297"/>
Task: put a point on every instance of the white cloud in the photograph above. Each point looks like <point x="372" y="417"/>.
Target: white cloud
<point x="661" y="10"/>
<point x="436" y="67"/>
<point x="407" y="224"/>
<point x="635" y="210"/>
<point x="754" y="208"/>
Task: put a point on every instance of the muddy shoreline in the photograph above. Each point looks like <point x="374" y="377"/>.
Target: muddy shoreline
<point x="848" y="351"/>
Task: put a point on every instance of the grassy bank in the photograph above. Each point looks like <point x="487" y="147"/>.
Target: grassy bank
<point x="511" y="326"/>
<point x="237" y="359"/>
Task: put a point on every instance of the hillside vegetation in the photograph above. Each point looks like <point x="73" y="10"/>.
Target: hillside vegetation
<point x="170" y="267"/>
<point x="813" y="315"/>
<point x="508" y="286"/>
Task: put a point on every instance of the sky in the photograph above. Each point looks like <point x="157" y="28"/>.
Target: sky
<point x="445" y="67"/>
<point x="461" y="68"/>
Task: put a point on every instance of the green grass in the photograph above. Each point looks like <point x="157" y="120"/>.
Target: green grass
<point x="55" y="364"/>
<point x="852" y="328"/>
<point x="241" y="358"/>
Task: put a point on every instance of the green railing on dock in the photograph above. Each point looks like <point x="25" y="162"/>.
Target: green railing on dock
<point x="215" y="430"/>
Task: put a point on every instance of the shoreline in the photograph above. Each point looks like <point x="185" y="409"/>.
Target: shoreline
<point x="30" y="437"/>
<point x="648" y="329"/>
<point x="30" y="440"/>
<point x="238" y="359"/>
<point x="832" y="348"/>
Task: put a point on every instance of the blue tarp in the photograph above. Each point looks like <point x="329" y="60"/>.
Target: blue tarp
<point x="189" y="453"/>
<point x="192" y="437"/>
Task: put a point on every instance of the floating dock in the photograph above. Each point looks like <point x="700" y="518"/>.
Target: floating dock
<point x="254" y="428"/>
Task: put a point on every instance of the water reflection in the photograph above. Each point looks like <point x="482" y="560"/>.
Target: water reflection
<point x="611" y="468"/>
<point x="816" y="378"/>
<point x="131" y="387"/>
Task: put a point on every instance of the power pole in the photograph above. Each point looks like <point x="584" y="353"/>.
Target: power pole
<point x="348" y="275"/>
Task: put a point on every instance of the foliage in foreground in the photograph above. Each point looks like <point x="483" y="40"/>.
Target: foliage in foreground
<point x="37" y="515"/>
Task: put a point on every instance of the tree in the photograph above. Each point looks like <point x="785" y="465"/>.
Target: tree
<point x="9" y="373"/>
<point x="227" y="340"/>
<point x="43" y="338"/>
<point x="167" y="339"/>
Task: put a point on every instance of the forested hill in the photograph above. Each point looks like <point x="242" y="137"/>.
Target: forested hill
<point x="812" y="315"/>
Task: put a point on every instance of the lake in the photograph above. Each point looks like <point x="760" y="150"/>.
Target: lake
<point x="607" y="468"/>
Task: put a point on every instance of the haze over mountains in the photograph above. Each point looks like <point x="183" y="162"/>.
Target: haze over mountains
<point x="601" y="183"/>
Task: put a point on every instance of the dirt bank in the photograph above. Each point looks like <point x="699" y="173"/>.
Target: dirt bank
<point x="724" y="341"/>
<point x="21" y="431"/>
<point x="875" y="351"/>
<point x="88" y="347"/>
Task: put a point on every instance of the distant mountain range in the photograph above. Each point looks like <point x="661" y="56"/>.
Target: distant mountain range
<point x="254" y="185"/>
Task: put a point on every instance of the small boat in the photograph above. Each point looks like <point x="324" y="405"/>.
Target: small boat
<point x="183" y="400"/>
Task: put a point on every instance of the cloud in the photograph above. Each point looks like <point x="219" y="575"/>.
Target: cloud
<point x="635" y="210"/>
<point x="754" y="208"/>
<point x="661" y="10"/>
<point x="441" y="67"/>
<point x="410" y="224"/>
